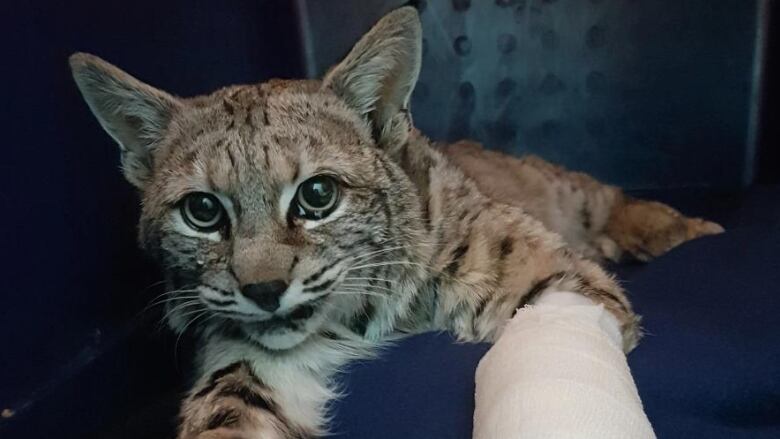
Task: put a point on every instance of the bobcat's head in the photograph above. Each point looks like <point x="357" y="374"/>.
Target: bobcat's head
<point x="273" y="208"/>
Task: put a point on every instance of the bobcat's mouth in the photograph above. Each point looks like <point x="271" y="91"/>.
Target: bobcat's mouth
<point x="302" y="312"/>
<point x="279" y="330"/>
<point x="291" y="321"/>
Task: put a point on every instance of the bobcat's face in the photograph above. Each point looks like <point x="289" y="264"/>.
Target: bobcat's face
<point x="264" y="203"/>
<point x="273" y="208"/>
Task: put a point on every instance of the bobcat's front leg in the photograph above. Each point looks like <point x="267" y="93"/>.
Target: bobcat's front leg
<point x="496" y="259"/>
<point x="245" y="392"/>
<point x="557" y="369"/>
<point x="232" y="402"/>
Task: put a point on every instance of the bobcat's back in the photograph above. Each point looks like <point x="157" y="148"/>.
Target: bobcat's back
<point x="596" y="219"/>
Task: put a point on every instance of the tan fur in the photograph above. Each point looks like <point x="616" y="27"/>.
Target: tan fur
<point x="597" y="219"/>
<point x="648" y="229"/>
<point x="414" y="245"/>
<point x="225" y="406"/>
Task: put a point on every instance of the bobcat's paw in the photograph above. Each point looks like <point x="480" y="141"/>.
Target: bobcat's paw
<point x="648" y="229"/>
<point x="233" y="403"/>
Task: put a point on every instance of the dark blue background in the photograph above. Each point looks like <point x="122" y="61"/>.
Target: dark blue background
<point x="72" y="277"/>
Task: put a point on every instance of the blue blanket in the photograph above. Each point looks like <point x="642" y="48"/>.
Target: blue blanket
<point x="709" y="366"/>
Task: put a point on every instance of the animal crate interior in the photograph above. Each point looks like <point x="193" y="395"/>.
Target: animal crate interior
<point x="671" y="101"/>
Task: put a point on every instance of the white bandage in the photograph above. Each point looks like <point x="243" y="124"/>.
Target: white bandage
<point x="558" y="372"/>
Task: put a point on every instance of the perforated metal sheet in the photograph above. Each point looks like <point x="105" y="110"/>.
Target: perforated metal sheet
<point x="640" y="93"/>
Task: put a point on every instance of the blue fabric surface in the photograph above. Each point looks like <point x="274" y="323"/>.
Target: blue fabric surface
<point x="709" y="366"/>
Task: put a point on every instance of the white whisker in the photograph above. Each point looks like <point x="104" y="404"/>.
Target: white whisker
<point x="179" y="307"/>
<point x="357" y="293"/>
<point x="170" y="299"/>
<point x="411" y="264"/>
<point x="378" y="279"/>
<point x="176" y="345"/>
<point x="383" y="264"/>
<point x="368" y="287"/>
<point x="157" y="299"/>
<point x="371" y="255"/>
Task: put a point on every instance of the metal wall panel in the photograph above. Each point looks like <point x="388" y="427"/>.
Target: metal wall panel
<point x="644" y="94"/>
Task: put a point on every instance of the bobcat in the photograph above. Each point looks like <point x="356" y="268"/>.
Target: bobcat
<point x="302" y="223"/>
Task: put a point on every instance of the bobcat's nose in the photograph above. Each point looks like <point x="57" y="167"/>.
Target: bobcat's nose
<point x="265" y="294"/>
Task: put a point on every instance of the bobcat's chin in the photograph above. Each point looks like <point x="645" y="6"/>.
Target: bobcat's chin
<point x="280" y="334"/>
<point x="280" y="341"/>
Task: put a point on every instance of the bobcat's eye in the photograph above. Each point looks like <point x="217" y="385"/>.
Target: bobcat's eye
<point x="316" y="197"/>
<point x="203" y="212"/>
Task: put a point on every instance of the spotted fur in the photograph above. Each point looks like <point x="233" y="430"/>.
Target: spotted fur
<point x="413" y="245"/>
<point x="596" y="219"/>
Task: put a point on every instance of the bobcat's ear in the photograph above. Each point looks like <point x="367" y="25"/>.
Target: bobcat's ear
<point x="379" y="74"/>
<point x="136" y="115"/>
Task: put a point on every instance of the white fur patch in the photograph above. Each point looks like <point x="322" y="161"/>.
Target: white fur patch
<point x="301" y="378"/>
<point x="286" y="197"/>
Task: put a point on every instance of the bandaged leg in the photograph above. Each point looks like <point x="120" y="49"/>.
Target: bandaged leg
<point x="558" y="372"/>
